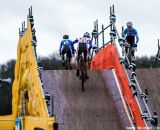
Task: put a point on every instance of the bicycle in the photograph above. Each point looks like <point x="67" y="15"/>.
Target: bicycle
<point x="130" y="50"/>
<point x="129" y="58"/>
<point x="82" y="68"/>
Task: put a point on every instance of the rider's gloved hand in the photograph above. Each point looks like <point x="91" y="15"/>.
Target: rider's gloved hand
<point x="75" y="41"/>
<point x="135" y="45"/>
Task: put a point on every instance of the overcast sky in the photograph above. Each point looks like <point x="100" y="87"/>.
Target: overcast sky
<point x="53" y="18"/>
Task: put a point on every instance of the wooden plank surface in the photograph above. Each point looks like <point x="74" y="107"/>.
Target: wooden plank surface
<point x="150" y="79"/>
<point x="93" y="109"/>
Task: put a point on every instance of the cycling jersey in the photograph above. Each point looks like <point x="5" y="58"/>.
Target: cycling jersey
<point x="66" y="44"/>
<point x="131" y="32"/>
<point x="84" y="40"/>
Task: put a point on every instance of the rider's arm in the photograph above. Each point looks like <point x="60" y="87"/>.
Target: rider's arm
<point x="60" y="47"/>
<point x="72" y="46"/>
<point x="137" y="37"/>
<point x="90" y="44"/>
<point x="75" y="41"/>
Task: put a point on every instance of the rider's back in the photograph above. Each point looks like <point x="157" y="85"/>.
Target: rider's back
<point x="84" y="43"/>
<point x="66" y="43"/>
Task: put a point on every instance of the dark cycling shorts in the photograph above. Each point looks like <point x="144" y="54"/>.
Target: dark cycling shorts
<point x="82" y="47"/>
<point x="131" y="40"/>
<point x="69" y="54"/>
<point x="85" y="54"/>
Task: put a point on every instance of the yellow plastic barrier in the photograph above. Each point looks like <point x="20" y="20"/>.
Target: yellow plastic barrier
<point x="7" y="122"/>
<point x="33" y="109"/>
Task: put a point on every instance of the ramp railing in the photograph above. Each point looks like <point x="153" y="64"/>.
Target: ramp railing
<point x="134" y="85"/>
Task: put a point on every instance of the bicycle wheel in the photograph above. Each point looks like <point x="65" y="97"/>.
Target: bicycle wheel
<point x="83" y="80"/>
<point x="83" y="75"/>
<point x="66" y="61"/>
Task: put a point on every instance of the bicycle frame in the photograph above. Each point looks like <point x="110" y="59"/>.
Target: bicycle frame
<point x="82" y="67"/>
<point x="129" y="54"/>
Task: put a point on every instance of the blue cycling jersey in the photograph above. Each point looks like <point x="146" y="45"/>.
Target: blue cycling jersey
<point x="67" y="42"/>
<point x="131" y="31"/>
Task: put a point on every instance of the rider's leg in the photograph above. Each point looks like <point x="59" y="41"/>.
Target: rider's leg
<point x="63" y="57"/>
<point x="132" y="49"/>
<point x="132" y="52"/>
<point x="132" y="55"/>
<point x="70" y="63"/>
<point x="89" y="51"/>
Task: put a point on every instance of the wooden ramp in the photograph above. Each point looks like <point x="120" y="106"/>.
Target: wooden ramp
<point x="93" y="109"/>
<point x="150" y="79"/>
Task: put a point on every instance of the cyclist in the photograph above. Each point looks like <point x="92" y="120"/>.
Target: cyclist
<point x="68" y="45"/>
<point x="84" y="45"/>
<point x="130" y="33"/>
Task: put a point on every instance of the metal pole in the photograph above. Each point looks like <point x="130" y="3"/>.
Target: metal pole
<point x="111" y="22"/>
<point x="94" y="25"/>
<point x="113" y="9"/>
<point x="31" y="11"/>
<point x="110" y="10"/>
<point x="104" y="29"/>
<point x="19" y="31"/>
<point x="24" y="25"/>
<point x="103" y="35"/>
<point x="97" y="35"/>
<point x="95" y="28"/>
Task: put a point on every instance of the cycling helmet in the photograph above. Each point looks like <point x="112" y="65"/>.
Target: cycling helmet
<point x="86" y="35"/>
<point x="66" y="37"/>
<point x="129" y="24"/>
